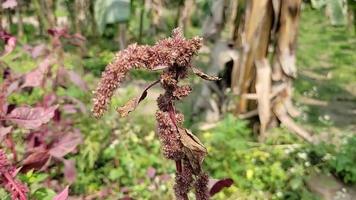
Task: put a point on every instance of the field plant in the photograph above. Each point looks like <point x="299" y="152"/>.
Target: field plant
<point x="43" y="126"/>
<point x="174" y="57"/>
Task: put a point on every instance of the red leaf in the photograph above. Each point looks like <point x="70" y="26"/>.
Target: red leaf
<point x="63" y="195"/>
<point x="36" y="77"/>
<point x="75" y="102"/>
<point x="4" y="131"/>
<point x="38" y="50"/>
<point x="31" y="118"/>
<point x="58" y="32"/>
<point x="151" y="172"/>
<point x="77" y="80"/>
<point x="69" y="108"/>
<point x="49" y="100"/>
<point x="66" y="144"/>
<point x="10" y="42"/>
<point x="70" y="172"/>
<point x="64" y="75"/>
<point x="216" y="185"/>
<point x="36" y="160"/>
<point x="9" y="4"/>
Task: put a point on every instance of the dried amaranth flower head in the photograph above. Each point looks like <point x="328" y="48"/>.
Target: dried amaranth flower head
<point x="173" y="51"/>
<point x="173" y="56"/>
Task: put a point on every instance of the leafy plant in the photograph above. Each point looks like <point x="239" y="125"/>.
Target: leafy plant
<point x="343" y="164"/>
<point x="48" y="137"/>
<point x="264" y="171"/>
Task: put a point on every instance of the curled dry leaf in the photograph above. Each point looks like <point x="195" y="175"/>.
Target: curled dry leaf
<point x="193" y="149"/>
<point x="204" y="76"/>
<point x="31" y="118"/>
<point x="133" y="103"/>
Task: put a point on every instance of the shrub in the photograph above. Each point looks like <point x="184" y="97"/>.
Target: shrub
<point x="344" y="162"/>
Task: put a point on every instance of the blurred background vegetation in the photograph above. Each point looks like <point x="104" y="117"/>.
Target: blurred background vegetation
<point x="120" y="157"/>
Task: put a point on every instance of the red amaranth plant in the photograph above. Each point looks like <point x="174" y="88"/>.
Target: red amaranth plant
<point x="174" y="56"/>
<point x="48" y="137"/>
<point x="8" y="181"/>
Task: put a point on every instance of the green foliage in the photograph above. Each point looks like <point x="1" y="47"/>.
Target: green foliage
<point x="37" y="191"/>
<point x="119" y="157"/>
<point x="274" y="169"/>
<point x="97" y="61"/>
<point x="34" y="95"/>
<point x="344" y="162"/>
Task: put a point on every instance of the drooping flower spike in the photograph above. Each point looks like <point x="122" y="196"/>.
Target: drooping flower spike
<point x="174" y="57"/>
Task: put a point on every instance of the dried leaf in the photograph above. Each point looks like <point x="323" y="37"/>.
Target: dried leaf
<point x="31" y="118"/>
<point x="133" y="103"/>
<point x="202" y="75"/>
<point x="63" y="195"/>
<point x="66" y="144"/>
<point x="216" y="185"/>
<point x="130" y="106"/>
<point x="193" y="149"/>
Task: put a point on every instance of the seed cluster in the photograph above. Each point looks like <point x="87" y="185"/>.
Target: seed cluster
<point x="174" y="56"/>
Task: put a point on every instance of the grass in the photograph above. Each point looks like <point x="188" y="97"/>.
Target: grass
<point x="326" y="62"/>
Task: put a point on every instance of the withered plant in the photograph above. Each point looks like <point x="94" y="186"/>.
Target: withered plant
<point x="174" y="57"/>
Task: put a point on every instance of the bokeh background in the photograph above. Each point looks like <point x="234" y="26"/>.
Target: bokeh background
<point x="52" y="56"/>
